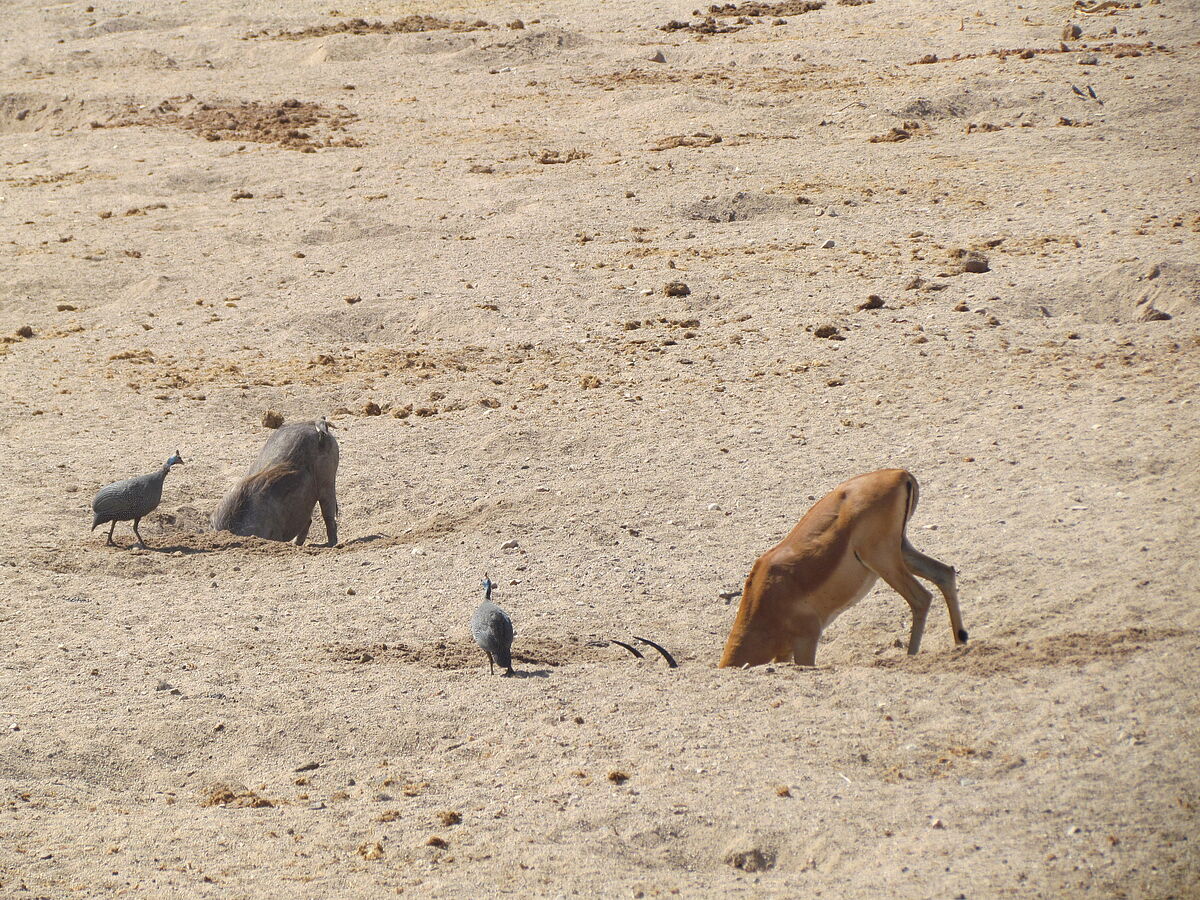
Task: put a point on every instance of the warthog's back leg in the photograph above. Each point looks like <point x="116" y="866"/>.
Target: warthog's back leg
<point x="944" y="577"/>
<point x="329" y="511"/>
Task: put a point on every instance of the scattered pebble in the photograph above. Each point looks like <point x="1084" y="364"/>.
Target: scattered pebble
<point x="828" y="245"/>
<point x="510" y="545"/>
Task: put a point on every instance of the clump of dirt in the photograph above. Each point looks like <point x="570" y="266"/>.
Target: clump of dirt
<point x="967" y="261"/>
<point x="749" y="858"/>
<point x="699" y="139"/>
<point x="891" y="137"/>
<point x="408" y="25"/>
<point x="294" y="124"/>
<point x="233" y="797"/>
<point x="706" y="26"/>
<point x="553" y="157"/>
<point x="1118" y="50"/>
<point x="786" y="8"/>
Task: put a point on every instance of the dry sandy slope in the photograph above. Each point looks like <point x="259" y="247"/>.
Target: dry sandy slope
<point x="1053" y="430"/>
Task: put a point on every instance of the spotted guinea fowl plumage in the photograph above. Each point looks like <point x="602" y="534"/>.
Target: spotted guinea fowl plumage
<point x="131" y="499"/>
<point x="493" y="631"/>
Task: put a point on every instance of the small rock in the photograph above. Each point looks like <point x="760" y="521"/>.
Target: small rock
<point x="418" y="551"/>
<point x="829" y="332"/>
<point x="1074" y="829"/>
<point x="371" y="408"/>
<point x="1071" y="31"/>
<point x="25" y="332"/>
<point x="676" y="289"/>
<point x="510" y="545"/>
<point x="1089" y="61"/>
<point x="713" y="506"/>
<point x="307" y="767"/>
<point x="317" y="804"/>
<point x="872" y="302"/>
<point x="435" y="841"/>
<point x="658" y="57"/>
<point x="937" y="823"/>
<point x="828" y="245"/>
<point x="162" y="686"/>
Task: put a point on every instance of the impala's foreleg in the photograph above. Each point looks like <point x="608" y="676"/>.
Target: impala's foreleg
<point x="804" y="642"/>
<point x="944" y="577"/>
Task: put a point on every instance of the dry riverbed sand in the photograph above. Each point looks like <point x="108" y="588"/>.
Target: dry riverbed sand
<point x="631" y="285"/>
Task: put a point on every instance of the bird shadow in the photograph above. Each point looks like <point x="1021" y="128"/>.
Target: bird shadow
<point x="531" y="673"/>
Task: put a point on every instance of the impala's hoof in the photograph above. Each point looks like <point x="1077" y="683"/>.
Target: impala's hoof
<point x="962" y="635"/>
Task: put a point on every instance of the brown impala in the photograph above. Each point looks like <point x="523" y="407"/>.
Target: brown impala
<point x="831" y="559"/>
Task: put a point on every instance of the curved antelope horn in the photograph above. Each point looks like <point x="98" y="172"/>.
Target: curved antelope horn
<point x="634" y="650"/>
<point x="665" y="655"/>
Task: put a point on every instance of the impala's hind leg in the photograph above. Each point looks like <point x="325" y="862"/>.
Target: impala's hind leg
<point x="891" y="568"/>
<point x="944" y="577"/>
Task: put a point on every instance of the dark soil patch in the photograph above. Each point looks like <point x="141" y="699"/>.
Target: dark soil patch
<point x="294" y="124"/>
<point x="463" y="653"/>
<point x="408" y="25"/>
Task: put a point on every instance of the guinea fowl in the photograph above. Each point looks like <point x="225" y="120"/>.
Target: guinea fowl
<point x="133" y="498"/>
<point x="493" y="631"/>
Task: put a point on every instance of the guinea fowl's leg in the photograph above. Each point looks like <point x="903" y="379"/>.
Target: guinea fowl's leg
<point x="491" y="663"/>
<point x="110" y="533"/>
<point x="141" y="543"/>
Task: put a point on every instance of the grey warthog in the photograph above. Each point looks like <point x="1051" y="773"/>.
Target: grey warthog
<point x="295" y="470"/>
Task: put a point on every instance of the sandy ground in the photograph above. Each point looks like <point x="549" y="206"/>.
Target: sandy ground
<point x="456" y="244"/>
